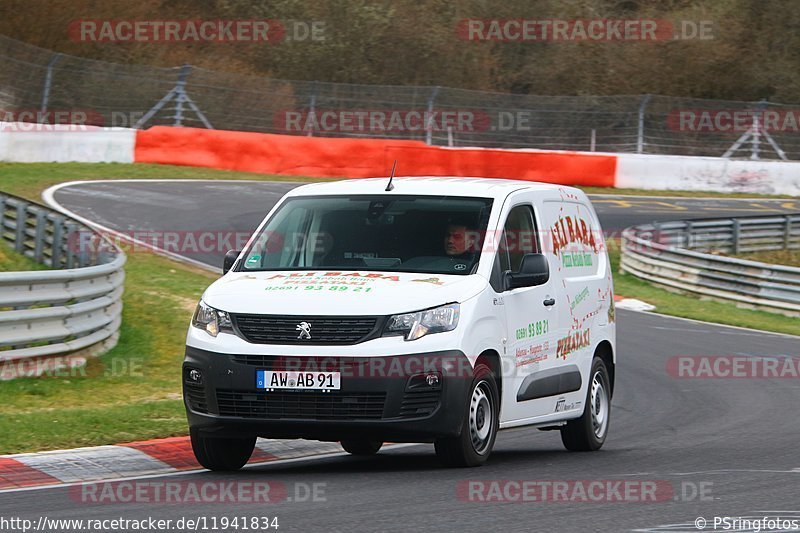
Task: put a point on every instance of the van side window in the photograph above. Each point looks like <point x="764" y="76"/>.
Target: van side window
<point x="519" y="238"/>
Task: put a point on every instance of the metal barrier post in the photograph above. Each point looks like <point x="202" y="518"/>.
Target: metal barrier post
<point x="2" y="216"/>
<point x="181" y="94"/>
<point x="58" y="237"/>
<point x="787" y="232"/>
<point x="656" y="232"/>
<point x="312" y="109"/>
<point x="48" y="83"/>
<point x="756" y="138"/>
<point x="640" y="126"/>
<point x="428" y="124"/>
<point x="687" y="235"/>
<point x="39" y="242"/>
<point x="737" y="231"/>
<point x="69" y="253"/>
<point x="22" y="215"/>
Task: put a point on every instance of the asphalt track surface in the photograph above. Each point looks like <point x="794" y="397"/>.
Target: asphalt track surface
<point x="735" y="440"/>
<point x="225" y="207"/>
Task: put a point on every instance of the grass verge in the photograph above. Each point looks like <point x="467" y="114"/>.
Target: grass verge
<point x="134" y="391"/>
<point x="12" y="261"/>
<point x="775" y="257"/>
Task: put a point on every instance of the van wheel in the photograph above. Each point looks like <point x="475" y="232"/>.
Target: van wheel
<point x="479" y="429"/>
<point x="588" y="433"/>
<point x="222" y="454"/>
<point x="361" y="446"/>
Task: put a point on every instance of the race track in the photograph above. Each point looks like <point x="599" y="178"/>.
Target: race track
<point x="227" y="206"/>
<point x="735" y="438"/>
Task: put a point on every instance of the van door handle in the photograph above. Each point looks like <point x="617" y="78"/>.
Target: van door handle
<point x="549" y="302"/>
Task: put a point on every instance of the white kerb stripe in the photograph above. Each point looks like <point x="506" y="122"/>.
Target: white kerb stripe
<point x="101" y="462"/>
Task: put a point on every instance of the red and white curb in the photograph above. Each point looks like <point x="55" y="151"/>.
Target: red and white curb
<point x="146" y="458"/>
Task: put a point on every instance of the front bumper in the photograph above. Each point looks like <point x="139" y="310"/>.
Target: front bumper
<point x="381" y="398"/>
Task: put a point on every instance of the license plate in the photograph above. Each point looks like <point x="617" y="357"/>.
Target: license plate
<point x="268" y="379"/>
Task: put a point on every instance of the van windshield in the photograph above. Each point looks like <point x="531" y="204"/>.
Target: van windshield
<point x="426" y="234"/>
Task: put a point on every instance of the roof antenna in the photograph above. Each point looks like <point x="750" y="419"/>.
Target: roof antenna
<point x="390" y="187"/>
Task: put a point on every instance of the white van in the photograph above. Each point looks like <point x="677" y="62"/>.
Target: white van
<point x="418" y="310"/>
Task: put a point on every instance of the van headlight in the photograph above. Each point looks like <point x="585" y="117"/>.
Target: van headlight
<point x="211" y="320"/>
<point x="418" y="324"/>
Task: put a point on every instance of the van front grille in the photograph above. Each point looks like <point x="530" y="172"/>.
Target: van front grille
<point x="281" y="329"/>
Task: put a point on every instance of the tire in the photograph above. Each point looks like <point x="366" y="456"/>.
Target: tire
<point x="361" y="446"/>
<point x="479" y="428"/>
<point x="588" y="433"/>
<point x="222" y="454"/>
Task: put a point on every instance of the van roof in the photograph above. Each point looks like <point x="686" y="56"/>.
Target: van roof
<point x="427" y="185"/>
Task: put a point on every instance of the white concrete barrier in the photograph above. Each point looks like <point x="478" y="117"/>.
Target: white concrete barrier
<point x="42" y="143"/>
<point x="669" y="172"/>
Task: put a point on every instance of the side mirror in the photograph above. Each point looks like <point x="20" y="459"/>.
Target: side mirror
<point x="230" y="259"/>
<point x="535" y="270"/>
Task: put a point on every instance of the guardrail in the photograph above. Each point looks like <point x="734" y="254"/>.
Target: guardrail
<point x="54" y="318"/>
<point x="684" y="255"/>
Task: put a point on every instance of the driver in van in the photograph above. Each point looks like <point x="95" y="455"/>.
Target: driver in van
<point x="460" y="241"/>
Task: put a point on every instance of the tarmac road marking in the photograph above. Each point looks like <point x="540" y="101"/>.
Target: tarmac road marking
<point x="759" y="208"/>
<point x="643" y="205"/>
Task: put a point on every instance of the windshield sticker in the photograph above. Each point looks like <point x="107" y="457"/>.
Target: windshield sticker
<point x="335" y="288"/>
<point x="360" y="255"/>
<point x="435" y="281"/>
<point x="253" y="260"/>
<point x="346" y="276"/>
<point x="327" y="281"/>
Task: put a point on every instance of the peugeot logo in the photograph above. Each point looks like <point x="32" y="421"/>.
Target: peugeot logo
<point x="305" y="330"/>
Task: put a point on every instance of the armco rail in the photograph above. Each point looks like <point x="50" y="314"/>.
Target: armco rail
<point x="73" y="310"/>
<point x="684" y="255"/>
